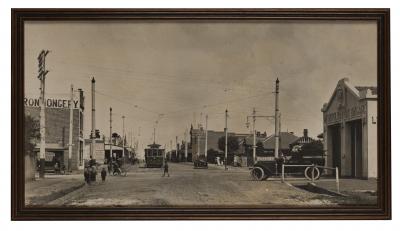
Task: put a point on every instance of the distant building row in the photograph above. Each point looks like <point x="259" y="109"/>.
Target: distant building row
<point x="243" y="155"/>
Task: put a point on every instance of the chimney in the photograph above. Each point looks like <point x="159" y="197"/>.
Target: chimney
<point x="305" y="133"/>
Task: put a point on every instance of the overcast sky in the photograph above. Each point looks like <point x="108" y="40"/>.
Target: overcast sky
<point x="185" y="70"/>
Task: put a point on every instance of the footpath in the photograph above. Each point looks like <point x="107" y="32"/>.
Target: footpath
<point x="354" y="191"/>
<point x="43" y="191"/>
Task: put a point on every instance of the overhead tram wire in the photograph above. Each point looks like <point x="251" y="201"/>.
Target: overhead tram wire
<point x="129" y="116"/>
<point x="188" y="109"/>
<point x="145" y="75"/>
<point x="171" y="114"/>
<point x="162" y="77"/>
<point x="132" y="105"/>
<point x="129" y="70"/>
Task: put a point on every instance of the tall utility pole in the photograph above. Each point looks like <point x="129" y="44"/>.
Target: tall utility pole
<point x="165" y="148"/>
<point x="254" y="116"/>
<point x="198" y="142"/>
<point x="194" y="119"/>
<point x="111" y="143"/>
<point x="205" y="148"/>
<point x="186" y="145"/>
<point x="176" y="144"/>
<point x="137" y="141"/>
<point x="226" y="139"/>
<point x="71" y="120"/>
<point x="254" y="136"/>
<point x="93" y="134"/>
<point x="170" y="145"/>
<point x="277" y="118"/>
<point x="123" y="136"/>
<point x="154" y="134"/>
<point x="131" y="137"/>
<point x="42" y="77"/>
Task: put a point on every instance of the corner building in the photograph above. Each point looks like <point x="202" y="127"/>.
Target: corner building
<point x="57" y="128"/>
<point x="350" y="130"/>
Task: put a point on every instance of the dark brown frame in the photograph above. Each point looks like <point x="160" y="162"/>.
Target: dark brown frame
<point x="381" y="211"/>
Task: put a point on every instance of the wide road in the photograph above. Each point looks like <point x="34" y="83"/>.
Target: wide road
<point x="188" y="186"/>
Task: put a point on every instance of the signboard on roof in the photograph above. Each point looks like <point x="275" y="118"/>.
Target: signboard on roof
<point x="52" y="102"/>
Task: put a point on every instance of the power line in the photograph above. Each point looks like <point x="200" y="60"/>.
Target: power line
<point x="160" y="77"/>
<point x="216" y="104"/>
<point x="133" y="105"/>
<point x="185" y="110"/>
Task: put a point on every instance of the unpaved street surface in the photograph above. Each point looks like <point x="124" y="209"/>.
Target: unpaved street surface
<point x="187" y="186"/>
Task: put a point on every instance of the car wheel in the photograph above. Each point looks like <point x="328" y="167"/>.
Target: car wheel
<point x="308" y="173"/>
<point x="257" y="173"/>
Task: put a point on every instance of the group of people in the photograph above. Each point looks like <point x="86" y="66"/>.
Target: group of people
<point x="90" y="172"/>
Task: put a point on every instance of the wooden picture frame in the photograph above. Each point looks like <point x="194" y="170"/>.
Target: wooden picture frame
<point x="381" y="211"/>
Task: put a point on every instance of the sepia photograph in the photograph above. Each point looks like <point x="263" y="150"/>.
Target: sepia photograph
<point x="200" y="113"/>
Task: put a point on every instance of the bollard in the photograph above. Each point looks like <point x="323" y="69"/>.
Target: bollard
<point x="337" y="180"/>
<point x="283" y="173"/>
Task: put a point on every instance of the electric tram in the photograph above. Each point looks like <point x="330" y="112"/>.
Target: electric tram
<point x="154" y="156"/>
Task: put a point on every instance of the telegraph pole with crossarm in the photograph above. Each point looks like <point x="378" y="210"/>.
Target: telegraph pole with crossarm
<point x="254" y="116"/>
<point x="42" y="77"/>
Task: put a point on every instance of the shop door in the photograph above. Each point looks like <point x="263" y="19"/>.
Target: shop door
<point x="356" y="148"/>
<point x="336" y="146"/>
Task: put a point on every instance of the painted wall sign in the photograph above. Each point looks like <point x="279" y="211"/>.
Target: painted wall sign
<point x="345" y="114"/>
<point x="51" y="103"/>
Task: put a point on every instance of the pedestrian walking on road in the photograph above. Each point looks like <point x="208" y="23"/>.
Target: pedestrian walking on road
<point x="165" y="169"/>
<point x="103" y="174"/>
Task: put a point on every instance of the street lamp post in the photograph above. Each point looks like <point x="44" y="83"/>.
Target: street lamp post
<point x="111" y="143"/>
<point x="93" y="134"/>
<point x="71" y="120"/>
<point x="226" y="139"/>
<point x="277" y="119"/>
<point x="123" y="137"/>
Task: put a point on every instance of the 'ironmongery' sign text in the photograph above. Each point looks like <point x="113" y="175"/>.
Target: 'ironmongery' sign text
<point x="50" y="103"/>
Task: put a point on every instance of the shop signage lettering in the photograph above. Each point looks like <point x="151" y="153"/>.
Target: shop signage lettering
<point x="346" y="114"/>
<point x="51" y="103"/>
<point x="265" y="158"/>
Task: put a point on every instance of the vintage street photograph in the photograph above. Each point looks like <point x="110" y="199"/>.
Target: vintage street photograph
<point x="170" y="113"/>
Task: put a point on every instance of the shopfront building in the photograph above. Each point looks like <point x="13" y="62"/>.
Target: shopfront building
<point x="57" y="128"/>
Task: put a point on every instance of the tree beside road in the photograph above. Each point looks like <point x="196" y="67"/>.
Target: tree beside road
<point x="233" y="145"/>
<point x="31" y="137"/>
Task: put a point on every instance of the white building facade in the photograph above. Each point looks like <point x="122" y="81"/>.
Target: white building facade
<point x="350" y="130"/>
